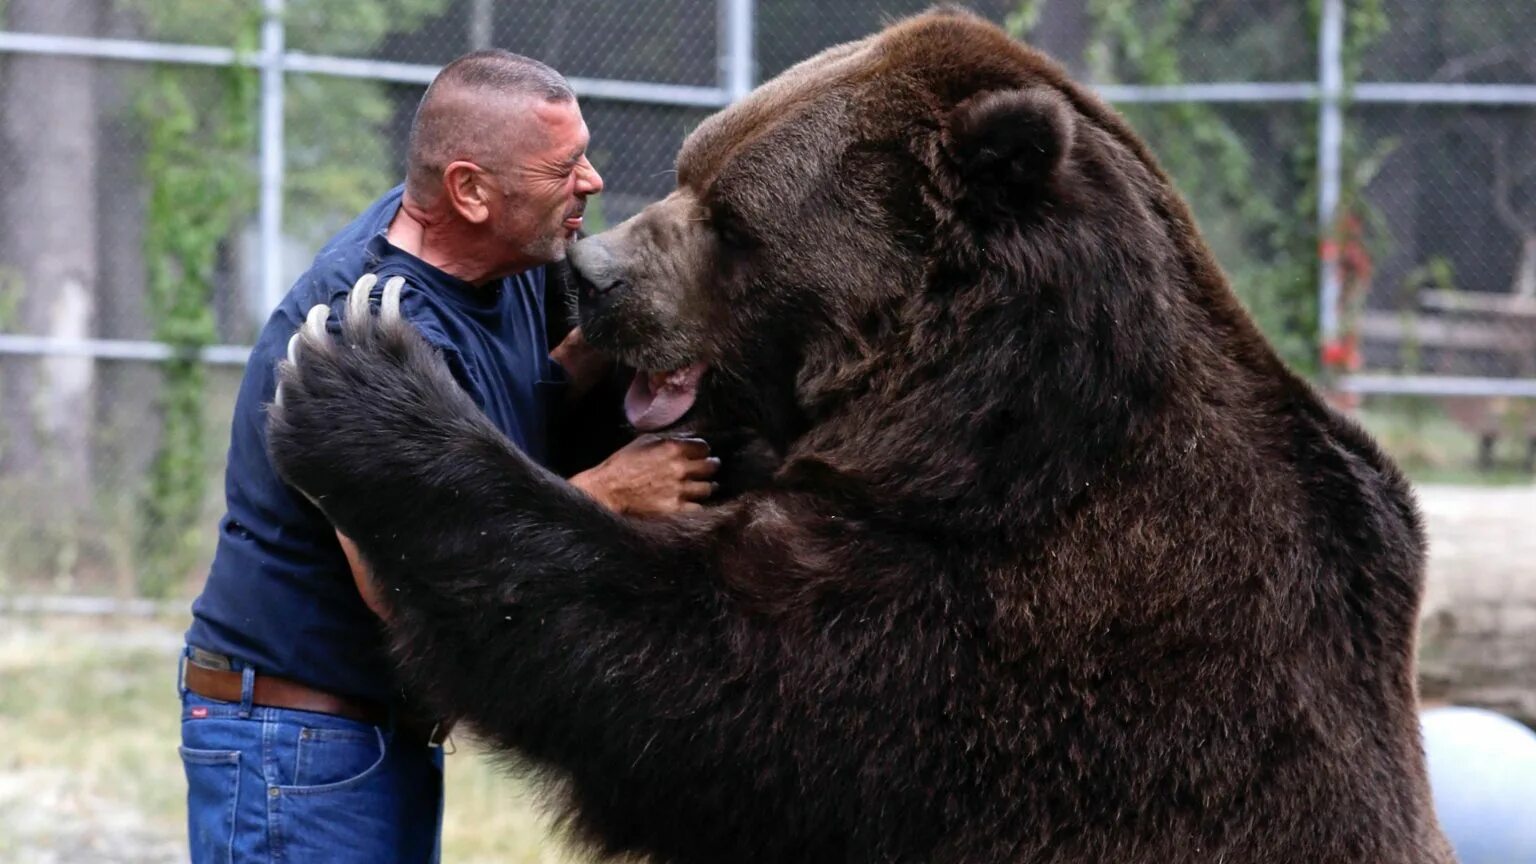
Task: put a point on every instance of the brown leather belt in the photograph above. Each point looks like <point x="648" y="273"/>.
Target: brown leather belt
<point x="270" y="691"/>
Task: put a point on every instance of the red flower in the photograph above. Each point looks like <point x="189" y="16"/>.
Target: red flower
<point x="1342" y="353"/>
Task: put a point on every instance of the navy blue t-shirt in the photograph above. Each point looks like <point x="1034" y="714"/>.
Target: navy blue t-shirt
<point x="280" y="595"/>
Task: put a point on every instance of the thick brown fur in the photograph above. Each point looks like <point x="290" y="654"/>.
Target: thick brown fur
<point x="1058" y="563"/>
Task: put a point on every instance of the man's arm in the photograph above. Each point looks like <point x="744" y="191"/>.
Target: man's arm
<point x="361" y="577"/>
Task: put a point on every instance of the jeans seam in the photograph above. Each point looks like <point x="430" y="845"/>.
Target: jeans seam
<point x="234" y="813"/>
<point x="269" y="774"/>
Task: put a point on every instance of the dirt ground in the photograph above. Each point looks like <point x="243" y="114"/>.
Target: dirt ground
<point x="87" y="708"/>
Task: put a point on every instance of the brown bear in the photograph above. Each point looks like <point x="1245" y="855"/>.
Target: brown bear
<point x="1050" y="559"/>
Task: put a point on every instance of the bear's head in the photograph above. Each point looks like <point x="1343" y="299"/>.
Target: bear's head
<point x="930" y="233"/>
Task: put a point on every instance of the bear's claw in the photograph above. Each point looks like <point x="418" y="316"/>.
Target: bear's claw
<point x="355" y="324"/>
<point x="389" y="307"/>
<point x="357" y="301"/>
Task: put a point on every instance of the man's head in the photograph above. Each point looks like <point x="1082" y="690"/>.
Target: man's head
<point x="498" y="149"/>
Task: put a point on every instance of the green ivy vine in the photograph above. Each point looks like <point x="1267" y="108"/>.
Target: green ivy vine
<point x="198" y="163"/>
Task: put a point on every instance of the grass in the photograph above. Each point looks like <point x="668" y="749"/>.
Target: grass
<point x="1432" y="448"/>
<point x="88" y="710"/>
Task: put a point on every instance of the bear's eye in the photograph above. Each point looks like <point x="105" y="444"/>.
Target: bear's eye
<point x="730" y="230"/>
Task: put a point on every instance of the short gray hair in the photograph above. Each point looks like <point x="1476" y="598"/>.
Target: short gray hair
<point x="442" y="131"/>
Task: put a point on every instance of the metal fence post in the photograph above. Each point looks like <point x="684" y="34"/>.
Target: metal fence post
<point x="481" y="24"/>
<point x="1330" y="160"/>
<point x="271" y="214"/>
<point x="738" y="58"/>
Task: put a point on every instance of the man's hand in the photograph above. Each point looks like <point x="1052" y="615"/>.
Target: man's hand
<point x="584" y="365"/>
<point x="652" y="476"/>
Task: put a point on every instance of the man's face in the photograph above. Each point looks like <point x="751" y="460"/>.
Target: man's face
<point x="541" y="207"/>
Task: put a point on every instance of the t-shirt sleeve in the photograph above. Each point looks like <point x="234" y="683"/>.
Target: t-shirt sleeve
<point x="415" y="309"/>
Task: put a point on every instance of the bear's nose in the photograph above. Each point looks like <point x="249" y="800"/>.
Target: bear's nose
<point x="594" y="290"/>
<point x="600" y="278"/>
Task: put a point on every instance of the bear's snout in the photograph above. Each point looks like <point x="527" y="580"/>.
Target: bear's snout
<point x="599" y="279"/>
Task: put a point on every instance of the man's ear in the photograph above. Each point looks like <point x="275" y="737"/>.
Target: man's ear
<point x="464" y="184"/>
<point x="1011" y="142"/>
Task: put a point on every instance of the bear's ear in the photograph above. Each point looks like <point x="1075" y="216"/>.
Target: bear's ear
<point x="1011" y="141"/>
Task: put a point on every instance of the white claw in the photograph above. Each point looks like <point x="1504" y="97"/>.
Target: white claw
<point x="314" y="325"/>
<point x="357" y="302"/>
<point x="293" y="348"/>
<point x="389" y="308"/>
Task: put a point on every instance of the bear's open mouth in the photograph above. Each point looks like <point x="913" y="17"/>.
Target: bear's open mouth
<point x="656" y="400"/>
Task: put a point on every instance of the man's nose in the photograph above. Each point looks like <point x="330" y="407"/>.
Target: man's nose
<point x="590" y="182"/>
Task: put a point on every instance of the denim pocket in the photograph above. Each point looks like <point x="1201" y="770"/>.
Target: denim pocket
<point x="213" y="791"/>
<point x="328" y="758"/>
<point x="389" y="812"/>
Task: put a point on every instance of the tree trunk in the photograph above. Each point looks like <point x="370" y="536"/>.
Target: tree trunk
<point x="1525" y="271"/>
<point x="127" y="419"/>
<point x="48" y="120"/>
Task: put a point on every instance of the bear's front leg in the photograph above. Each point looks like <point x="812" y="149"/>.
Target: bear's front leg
<point x="607" y="646"/>
<point x="371" y="422"/>
<point x="373" y="428"/>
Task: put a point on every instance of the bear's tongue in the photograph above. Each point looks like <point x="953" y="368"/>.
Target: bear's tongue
<point x="656" y="400"/>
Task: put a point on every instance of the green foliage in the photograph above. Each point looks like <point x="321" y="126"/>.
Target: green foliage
<point x="329" y="26"/>
<point x="1365" y="23"/>
<point x="10" y="294"/>
<point x="1019" y="22"/>
<point x="595" y="221"/>
<point x="1268" y="250"/>
<point x="1437" y="274"/>
<point x="1256" y="196"/>
<point x="197" y="159"/>
<point x="339" y="156"/>
<point x="200" y="133"/>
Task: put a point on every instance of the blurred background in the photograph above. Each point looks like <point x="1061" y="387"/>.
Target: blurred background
<point x="1364" y="169"/>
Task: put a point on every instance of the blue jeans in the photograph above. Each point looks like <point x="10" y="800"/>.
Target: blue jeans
<point x="274" y="784"/>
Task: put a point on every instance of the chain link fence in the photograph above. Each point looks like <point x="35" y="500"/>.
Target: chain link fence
<point x="1363" y="169"/>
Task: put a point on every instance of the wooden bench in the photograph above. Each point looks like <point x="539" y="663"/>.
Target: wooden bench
<point x="1468" y="333"/>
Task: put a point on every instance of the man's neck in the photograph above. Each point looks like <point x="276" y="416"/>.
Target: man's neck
<point x="440" y="242"/>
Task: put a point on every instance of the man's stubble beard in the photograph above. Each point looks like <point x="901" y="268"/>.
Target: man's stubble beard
<point x="548" y="249"/>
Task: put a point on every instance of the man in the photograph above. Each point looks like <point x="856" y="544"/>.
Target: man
<point x="296" y="742"/>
